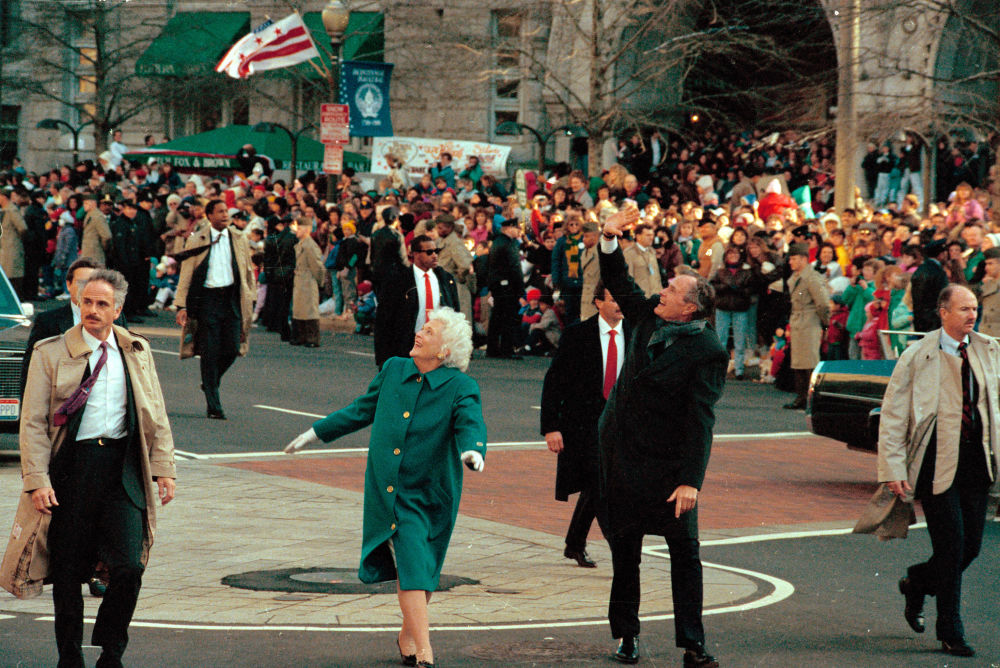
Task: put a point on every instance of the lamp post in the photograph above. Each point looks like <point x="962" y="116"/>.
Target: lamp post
<point x="55" y="123"/>
<point x="335" y="18"/>
<point x="514" y="128"/>
<point x="292" y="137"/>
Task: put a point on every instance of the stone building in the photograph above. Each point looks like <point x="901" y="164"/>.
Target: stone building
<point x="462" y="68"/>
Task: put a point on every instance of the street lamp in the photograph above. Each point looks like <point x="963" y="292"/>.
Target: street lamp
<point x="292" y="137"/>
<point x="515" y="128"/>
<point x="335" y="19"/>
<point x="54" y="123"/>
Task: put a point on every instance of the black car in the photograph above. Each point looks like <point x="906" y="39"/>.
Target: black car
<point x="15" y="325"/>
<point x="845" y="396"/>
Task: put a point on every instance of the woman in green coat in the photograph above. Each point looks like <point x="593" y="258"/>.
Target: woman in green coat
<point x="427" y="419"/>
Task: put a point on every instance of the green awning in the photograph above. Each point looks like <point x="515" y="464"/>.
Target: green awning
<point x="363" y="40"/>
<point x="192" y="43"/>
<point x="215" y="151"/>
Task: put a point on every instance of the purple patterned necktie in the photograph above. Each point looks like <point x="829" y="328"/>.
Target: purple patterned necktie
<point x="78" y="399"/>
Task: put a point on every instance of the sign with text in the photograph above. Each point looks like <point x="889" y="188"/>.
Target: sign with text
<point x="417" y="154"/>
<point x="333" y="123"/>
<point x="333" y="158"/>
<point x="364" y="86"/>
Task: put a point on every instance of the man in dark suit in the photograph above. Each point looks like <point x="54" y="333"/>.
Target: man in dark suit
<point x="96" y="458"/>
<point x="588" y="361"/>
<point x="215" y="300"/>
<point x="927" y="283"/>
<point x="506" y="287"/>
<point x="406" y="295"/>
<point x="655" y="438"/>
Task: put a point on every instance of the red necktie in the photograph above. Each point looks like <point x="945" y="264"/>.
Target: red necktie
<point x="428" y="294"/>
<point x="611" y="368"/>
<point x="78" y="399"/>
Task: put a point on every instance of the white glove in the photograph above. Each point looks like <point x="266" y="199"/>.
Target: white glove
<point x="473" y="460"/>
<point x="303" y="440"/>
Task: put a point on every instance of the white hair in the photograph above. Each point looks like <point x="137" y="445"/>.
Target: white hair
<point x="456" y="337"/>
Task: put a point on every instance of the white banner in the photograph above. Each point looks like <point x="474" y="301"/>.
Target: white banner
<point x="418" y="154"/>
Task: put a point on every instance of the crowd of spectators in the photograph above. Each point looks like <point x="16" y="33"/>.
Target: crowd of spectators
<point x="726" y="205"/>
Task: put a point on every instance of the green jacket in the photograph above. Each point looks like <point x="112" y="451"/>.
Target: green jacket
<point x="421" y="424"/>
<point x="857" y="298"/>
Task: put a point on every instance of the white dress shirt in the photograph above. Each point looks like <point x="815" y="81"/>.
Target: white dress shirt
<point x="76" y="313"/>
<point x="104" y="414"/>
<point x="220" y="260"/>
<point x="418" y="277"/>
<point x="950" y="345"/>
<point x="603" y="328"/>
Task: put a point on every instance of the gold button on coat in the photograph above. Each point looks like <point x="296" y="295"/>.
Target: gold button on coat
<point x="393" y="526"/>
<point x="389" y="489"/>
<point x="406" y="414"/>
<point x="396" y="451"/>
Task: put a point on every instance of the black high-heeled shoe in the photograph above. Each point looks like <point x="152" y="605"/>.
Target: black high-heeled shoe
<point x="424" y="664"/>
<point x="406" y="659"/>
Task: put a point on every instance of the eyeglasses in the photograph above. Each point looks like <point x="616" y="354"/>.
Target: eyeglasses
<point x="429" y="251"/>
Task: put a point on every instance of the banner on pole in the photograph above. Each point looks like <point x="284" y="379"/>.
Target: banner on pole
<point x="417" y="154"/>
<point x="364" y="87"/>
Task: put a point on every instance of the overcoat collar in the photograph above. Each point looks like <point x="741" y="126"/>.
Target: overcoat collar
<point x="78" y="347"/>
<point x="435" y="378"/>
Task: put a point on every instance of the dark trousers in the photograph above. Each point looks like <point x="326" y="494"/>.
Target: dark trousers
<point x="95" y="520"/>
<point x="219" y="323"/>
<point x="681" y="535"/>
<point x="955" y="523"/>
<point x="305" y="331"/>
<point x="276" y="308"/>
<point x="502" y="333"/>
<point x="583" y="517"/>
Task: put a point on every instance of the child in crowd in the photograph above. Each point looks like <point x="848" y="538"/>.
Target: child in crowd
<point x="364" y="308"/>
<point x="543" y="336"/>
<point x="835" y="338"/>
<point x="67" y="248"/>
<point x="868" y="339"/>
<point x="778" y="350"/>
<point x="165" y="284"/>
<point x="530" y="312"/>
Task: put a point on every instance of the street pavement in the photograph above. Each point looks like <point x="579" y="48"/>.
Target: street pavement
<point x="784" y="585"/>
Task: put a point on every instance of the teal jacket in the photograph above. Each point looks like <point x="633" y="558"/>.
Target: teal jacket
<point x="856" y="298"/>
<point x="421" y="424"/>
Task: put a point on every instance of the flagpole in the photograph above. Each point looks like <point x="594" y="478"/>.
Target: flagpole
<point x="323" y="72"/>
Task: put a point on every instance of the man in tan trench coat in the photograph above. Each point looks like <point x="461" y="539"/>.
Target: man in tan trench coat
<point x="96" y="232"/>
<point x="97" y="456"/>
<point x="938" y="442"/>
<point x="309" y="276"/>
<point x="215" y="300"/>
<point x="810" y="299"/>
<point x="12" y="229"/>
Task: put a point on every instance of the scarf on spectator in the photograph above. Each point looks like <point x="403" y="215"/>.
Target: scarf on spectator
<point x="573" y="243"/>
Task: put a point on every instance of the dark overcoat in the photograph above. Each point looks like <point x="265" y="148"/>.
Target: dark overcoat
<point x="656" y="429"/>
<point x="421" y="425"/>
<point x="396" y="315"/>
<point x="572" y="401"/>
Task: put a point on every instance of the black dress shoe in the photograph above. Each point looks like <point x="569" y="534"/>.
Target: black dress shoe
<point x="628" y="650"/>
<point x="699" y="658"/>
<point x="796" y="405"/>
<point x="913" y="612"/>
<point x="97" y="587"/>
<point x="216" y="415"/>
<point x="957" y="648"/>
<point x="582" y="558"/>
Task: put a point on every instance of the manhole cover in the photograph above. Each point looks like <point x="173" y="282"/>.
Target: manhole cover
<point x="554" y="651"/>
<point x="324" y="580"/>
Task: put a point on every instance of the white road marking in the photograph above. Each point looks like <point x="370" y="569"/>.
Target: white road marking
<point x="6" y="616"/>
<point x="782" y="590"/>
<point x="165" y="352"/>
<point x="359" y="353"/>
<point x="288" y="410"/>
<point x="312" y="451"/>
<point x="757" y="437"/>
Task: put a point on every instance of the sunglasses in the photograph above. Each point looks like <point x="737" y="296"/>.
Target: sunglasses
<point x="429" y="251"/>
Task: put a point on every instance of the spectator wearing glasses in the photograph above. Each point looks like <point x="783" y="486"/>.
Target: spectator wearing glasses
<point x="405" y="297"/>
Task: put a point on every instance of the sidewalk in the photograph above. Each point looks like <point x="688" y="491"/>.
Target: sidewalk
<point x="227" y="521"/>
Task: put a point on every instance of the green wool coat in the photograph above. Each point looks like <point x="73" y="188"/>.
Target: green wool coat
<point x="421" y="424"/>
